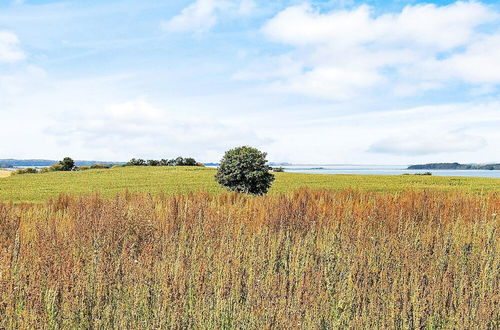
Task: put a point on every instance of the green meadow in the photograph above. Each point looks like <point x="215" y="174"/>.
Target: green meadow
<point x="171" y="180"/>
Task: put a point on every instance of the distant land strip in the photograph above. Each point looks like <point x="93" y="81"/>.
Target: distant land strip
<point x="454" y="166"/>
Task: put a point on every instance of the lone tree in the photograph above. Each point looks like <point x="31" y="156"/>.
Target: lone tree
<point x="244" y="169"/>
<point x="67" y="164"/>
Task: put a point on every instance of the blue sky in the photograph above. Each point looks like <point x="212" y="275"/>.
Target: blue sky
<point x="373" y="82"/>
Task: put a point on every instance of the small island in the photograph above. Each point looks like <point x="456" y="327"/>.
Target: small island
<point x="454" y="166"/>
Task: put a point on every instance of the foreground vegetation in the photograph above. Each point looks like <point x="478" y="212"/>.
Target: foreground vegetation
<point x="303" y="259"/>
<point x="172" y="180"/>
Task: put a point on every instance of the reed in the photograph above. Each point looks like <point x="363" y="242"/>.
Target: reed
<point x="301" y="259"/>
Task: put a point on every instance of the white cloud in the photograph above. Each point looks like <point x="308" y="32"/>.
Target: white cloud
<point x="198" y="17"/>
<point x="144" y="130"/>
<point x="466" y="132"/>
<point x="27" y="78"/>
<point x="9" y="48"/>
<point x="344" y="53"/>
<point x="202" y="15"/>
<point x="480" y="63"/>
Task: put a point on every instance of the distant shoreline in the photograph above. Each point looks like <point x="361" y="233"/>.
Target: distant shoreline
<point x="454" y="166"/>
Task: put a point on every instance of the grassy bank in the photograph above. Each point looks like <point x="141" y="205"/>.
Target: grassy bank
<point x="171" y="180"/>
<point x="4" y="174"/>
<point x="303" y="259"/>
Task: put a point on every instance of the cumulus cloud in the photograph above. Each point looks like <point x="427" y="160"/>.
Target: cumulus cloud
<point x="428" y="143"/>
<point x="10" y="50"/>
<point x="202" y="15"/>
<point x="342" y="53"/>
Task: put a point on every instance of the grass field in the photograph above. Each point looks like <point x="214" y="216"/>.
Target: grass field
<point x="4" y="174"/>
<point x="306" y="259"/>
<point x="359" y="252"/>
<point x="171" y="180"/>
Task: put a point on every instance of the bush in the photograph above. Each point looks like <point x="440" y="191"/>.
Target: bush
<point x="244" y="169"/>
<point x="99" y="166"/>
<point x="278" y="169"/>
<point x="189" y="162"/>
<point x="53" y="168"/>
<point x="28" y="170"/>
<point x="136" y="162"/>
<point x="179" y="161"/>
<point x="82" y="168"/>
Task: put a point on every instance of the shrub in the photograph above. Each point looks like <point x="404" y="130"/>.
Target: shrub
<point x="82" y="168"/>
<point x="278" y="169"/>
<point x="28" y="170"/>
<point x="99" y="166"/>
<point x="136" y="162"/>
<point x="244" y="169"/>
<point x="189" y="162"/>
<point x="52" y="168"/>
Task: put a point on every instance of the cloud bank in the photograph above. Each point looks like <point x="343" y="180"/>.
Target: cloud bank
<point x="346" y="53"/>
<point x="10" y="50"/>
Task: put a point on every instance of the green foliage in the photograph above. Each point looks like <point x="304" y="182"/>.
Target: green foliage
<point x="28" y="170"/>
<point x="53" y="168"/>
<point x="136" y="162"/>
<point x="67" y="164"/>
<point x="153" y="162"/>
<point x="99" y="166"/>
<point x="278" y="169"/>
<point x="179" y="161"/>
<point x="244" y="169"/>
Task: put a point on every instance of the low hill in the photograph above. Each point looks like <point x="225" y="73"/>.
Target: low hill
<point x="454" y="166"/>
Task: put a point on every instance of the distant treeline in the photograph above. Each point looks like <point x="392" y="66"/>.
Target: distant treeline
<point x="454" y="166"/>
<point x="179" y="161"/>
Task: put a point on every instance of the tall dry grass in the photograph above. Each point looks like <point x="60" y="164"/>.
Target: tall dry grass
<point x="305" y="259"/>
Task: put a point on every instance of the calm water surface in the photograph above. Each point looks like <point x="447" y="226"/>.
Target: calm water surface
<point x="385" y="170"/>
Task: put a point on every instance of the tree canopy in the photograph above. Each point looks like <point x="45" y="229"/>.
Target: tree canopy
<point x="243" y="169"/>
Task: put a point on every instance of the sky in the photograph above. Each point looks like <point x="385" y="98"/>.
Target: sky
<point x="324" y="82"/>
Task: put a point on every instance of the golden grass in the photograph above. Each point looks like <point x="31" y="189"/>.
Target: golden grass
<point x="174" y="180"/>
<point x="302" y="259"/>
<point x="4" y="173"/>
